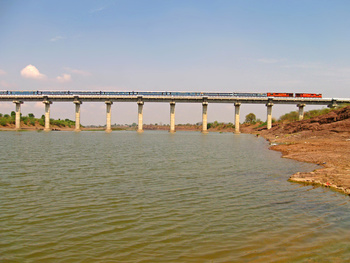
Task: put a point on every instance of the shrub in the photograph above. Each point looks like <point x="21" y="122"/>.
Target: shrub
<point x="3" y="121"/>
<point x="292" y="116"/>
<point x="250" y="118"/>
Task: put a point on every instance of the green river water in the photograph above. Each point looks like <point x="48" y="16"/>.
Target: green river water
<point x="161" y="197"/>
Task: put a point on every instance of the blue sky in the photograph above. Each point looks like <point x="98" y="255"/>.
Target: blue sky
<point x="247" y="45"/>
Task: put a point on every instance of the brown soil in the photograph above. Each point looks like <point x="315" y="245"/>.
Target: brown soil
<point x="36" y="127"/>
<point x="323" y="140"/>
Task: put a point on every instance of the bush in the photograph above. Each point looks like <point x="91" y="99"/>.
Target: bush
<point x="314" y="113"/>
<point x="292" y="116"/>
<point x="3" y="121"/>
<point x="250" y="118"/>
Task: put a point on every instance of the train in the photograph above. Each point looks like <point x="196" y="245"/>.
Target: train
<point x="163" y="93"/>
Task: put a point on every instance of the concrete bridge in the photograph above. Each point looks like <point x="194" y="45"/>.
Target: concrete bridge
<point x="171" y="99"/>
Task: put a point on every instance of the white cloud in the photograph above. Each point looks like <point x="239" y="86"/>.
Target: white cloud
<point x="96" y="10"/>
<point x="56" y="38"/>
<point x="64" y="78"/>
<point x="78" y="71"/>
<point x="2" y="72"/>
<point x="31" y="72"/>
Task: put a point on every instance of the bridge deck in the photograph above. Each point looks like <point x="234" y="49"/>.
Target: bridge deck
<point x="180" y="99"/>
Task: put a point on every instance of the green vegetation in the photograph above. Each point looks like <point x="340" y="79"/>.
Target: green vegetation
<point x="250" y="118"/>
<point x="294" y="115"/>
<point x="6" y="119"/>
<point x="220" y="125"/>
<point x="265" y="123"/>
<point x="30" y="120"/>
<point x="62" y="123"/>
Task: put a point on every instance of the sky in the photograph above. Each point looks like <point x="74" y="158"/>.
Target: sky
<point x="173" y="45"/>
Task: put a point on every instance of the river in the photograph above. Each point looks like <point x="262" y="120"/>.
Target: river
<point x="161" y="197"/>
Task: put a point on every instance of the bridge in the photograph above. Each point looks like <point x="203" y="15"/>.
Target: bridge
<point x="171" y="99"/>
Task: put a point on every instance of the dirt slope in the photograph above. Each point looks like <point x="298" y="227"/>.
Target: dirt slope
<point x="324" y="140"/>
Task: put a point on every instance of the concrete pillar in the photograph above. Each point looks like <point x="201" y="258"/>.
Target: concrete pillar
<point x="301" y="111"/>
<point x="18" y="114"/>
<point x="140" y="116"/>
<point x="269" y="115"/>
<point x="237" y="109"/>
<point x="205" y="117"/>
<point x="108" y="115"/>
<point x="47" y="115"/>
<point x="77" y="115"/>
<point x="172" y="116"/>
<point x="333" y="104"/>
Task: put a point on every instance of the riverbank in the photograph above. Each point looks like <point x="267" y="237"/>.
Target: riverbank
<point x="324" y="140"/>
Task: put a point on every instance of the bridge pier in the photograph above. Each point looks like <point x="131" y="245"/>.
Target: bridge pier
<point x="172" y="117"/>
<point x="237" y="109"/>
<point x="301" y="111"/>
<point x="140" y="116"/>
<point x="18" y="114"/>
<point x="108" y="116"/>
<point x="204" y="117"/>
<point x="77" y="115"/>
<point x="47" y="115"/>
<point x="333" y="104"/>
<point x="269" y="115"/>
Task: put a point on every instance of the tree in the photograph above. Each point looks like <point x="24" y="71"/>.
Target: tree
<point x="31" y="115"/>
<point x="13" y="114"/>
<point x="250" y="118"/>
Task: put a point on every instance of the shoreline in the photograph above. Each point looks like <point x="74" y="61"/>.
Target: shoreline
<point x="331" y="173"/>
<point x="323" y="140"/>
<point x="328" y="147"/>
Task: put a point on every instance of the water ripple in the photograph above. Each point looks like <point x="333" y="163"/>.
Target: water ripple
<point x="156" y="197"/>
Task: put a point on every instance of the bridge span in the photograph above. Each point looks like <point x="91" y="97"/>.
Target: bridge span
<point x="171" y="99"/>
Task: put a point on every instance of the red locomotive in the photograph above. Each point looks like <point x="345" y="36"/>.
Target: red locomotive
<point x="308" y="95"/>
<point x="276" y="94"/>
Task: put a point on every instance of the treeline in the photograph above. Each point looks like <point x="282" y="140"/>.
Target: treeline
<point x="30" y="120"/>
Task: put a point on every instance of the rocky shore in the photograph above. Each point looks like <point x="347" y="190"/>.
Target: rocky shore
<point x="323" y="140"/>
